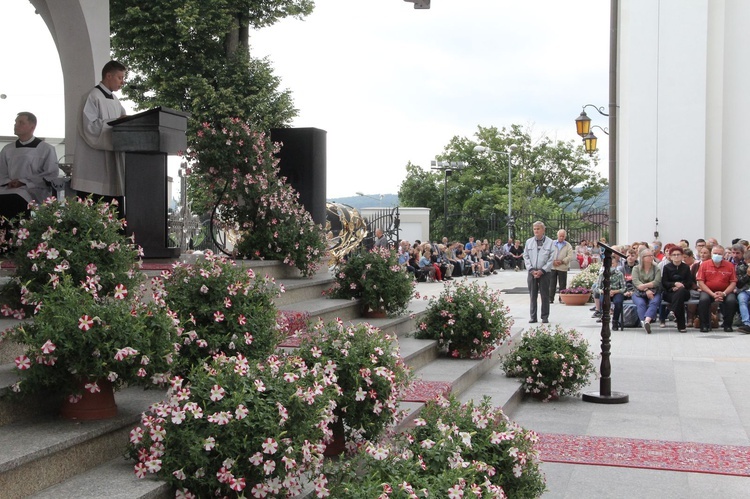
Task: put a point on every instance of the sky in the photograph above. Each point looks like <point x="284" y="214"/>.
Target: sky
<point x="389" y="84"/>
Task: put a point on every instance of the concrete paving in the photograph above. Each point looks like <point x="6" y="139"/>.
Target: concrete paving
<point x="689" y="387"/>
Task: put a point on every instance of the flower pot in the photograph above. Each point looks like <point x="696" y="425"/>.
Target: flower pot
<point x="575" y="299"/>
<point x="91" y="406"/>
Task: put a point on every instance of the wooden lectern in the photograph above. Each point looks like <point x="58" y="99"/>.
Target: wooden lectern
<point x="146" y="139"/>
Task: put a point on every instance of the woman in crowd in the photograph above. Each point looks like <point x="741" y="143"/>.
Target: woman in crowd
<point x="647" y="284"/>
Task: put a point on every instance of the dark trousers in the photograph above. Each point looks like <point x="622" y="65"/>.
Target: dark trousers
<point x="107" y="199"/>
<point x="558" y="277"/>
<point x="728" y="309"/>
<point x="676" y="300"/>
<point x="537" y="287"/>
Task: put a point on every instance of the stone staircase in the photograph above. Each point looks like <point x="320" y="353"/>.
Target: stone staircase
<point x="44" y="456"/>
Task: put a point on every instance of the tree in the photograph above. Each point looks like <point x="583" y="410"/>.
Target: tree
<point x="193" y="55"/>
<point x="548" y="178"/>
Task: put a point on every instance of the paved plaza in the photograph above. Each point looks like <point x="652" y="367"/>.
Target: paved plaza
<point x="684" y="387"/>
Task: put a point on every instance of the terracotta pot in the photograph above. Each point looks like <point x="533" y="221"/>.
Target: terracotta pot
<point x="542" y="397"/>
<point x="571" y="299"/>
<point x="91" y="406"/>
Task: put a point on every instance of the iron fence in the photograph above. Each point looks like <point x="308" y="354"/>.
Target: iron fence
<point x="589" y="226"/>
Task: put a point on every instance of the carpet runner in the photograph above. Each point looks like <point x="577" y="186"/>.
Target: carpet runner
<point x="648" y="454"/>
<point x="422" y="391"/>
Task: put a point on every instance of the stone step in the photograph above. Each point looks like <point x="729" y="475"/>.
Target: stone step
<point x="116" y="477"/>
<point x="296" y="290"/>
<point x="461" y="375"/>
<point x="326" y="309"/>
<point x="41" y="452"/>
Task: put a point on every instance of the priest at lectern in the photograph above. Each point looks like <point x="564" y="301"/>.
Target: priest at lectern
<point x="97" y="168"/>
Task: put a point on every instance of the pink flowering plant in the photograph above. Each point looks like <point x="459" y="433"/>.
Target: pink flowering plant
<point x="551" y="362"/>
<point x="368" y="370"/>
<point x="454" y="450"/>
<point x="222" y="307"/>
<point x="77" y="237"/>
<point x="376" y="279"/>
<point x="578" y="290"/>
<point x="235" y="168"/>
<point x="78" y="336"/>
<point x="235" y="428"/>
<point x="467" y="320"/>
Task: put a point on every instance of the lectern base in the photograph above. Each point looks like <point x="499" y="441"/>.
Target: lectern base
<point x="612" y="398"/>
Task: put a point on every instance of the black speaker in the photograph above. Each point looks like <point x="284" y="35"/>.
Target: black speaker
<point x="302" y="160"/>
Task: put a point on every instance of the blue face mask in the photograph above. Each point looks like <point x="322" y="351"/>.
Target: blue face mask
<point x="717" y="258"/>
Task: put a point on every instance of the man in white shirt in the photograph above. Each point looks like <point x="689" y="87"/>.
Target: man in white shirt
<point x="97" y="169"/>
<point x="27" y="167"/>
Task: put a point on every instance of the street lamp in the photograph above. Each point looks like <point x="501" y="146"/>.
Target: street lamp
<point x="512" y="147"/>
<point x="379" y="200"/>
<point x="584" y="127"/>
<point x="447" y="167"/>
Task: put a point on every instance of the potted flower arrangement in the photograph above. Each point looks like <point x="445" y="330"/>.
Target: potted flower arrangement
<point x="375" y="279"/>
<point x="575" y="296"/>
<point x="236" y="428"/>
<point x="587" y="277"/>
<point x="454" y="450"/>
<point x="468" y="320"/>
<point x="80" y="343"/>
<point x="222" y="308"/>
<point x="237" y="166"/>
<point x="366" y="365"/>
<point x="78" y="237"/>
<point x="551" y="362"/>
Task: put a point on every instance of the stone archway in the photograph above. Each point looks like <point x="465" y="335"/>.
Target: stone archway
<point x="80" y="30"/>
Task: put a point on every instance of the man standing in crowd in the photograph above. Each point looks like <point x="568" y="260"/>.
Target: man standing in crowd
<point x="97" y="169"/>
<point x="26" y="168"/>
<point x="538" y="255"/>
<point x="560" y="264"/>
<point x="380" y="240"/>
<point x="717" y="280"/>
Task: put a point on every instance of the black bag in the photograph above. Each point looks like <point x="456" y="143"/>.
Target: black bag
<point x="630" y="315"/>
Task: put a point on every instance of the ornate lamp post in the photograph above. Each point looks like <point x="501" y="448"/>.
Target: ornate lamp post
<point x="512" y="147"/>
<point x="447" y="167"/>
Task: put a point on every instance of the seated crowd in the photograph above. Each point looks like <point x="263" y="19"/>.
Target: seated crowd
<point x="693" y="287"/>
<point x="439" y="261"/>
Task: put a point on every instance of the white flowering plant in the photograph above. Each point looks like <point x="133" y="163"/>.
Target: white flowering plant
<point x="78" y="338"/>
<point x="376" y="279"/>
<point x="468" y="320"/>
<point x="235" y="428"/>
<point x="77" y="237"/>
<point x="454" y="450"/>
<point x="235" y="166"/>
<point x="551" y="362"/>
<point x="370" y="374"/>
<point x="587" y="277"/>
<point x="222" y="307"/>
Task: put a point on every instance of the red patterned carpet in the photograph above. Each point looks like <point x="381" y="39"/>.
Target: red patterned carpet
<point x="650" y="454"/>
<point x="422" y="391"/>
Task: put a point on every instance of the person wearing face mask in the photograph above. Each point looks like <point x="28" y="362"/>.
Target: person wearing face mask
<point x="717" y="280"/>
<point x="677" y="280"/>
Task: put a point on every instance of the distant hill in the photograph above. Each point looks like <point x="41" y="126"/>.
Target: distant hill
<point x="359" y="202"/>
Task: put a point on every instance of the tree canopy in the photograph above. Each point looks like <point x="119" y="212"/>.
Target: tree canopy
<point x="549" y="177"/>
<point x="193" y="55"/>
